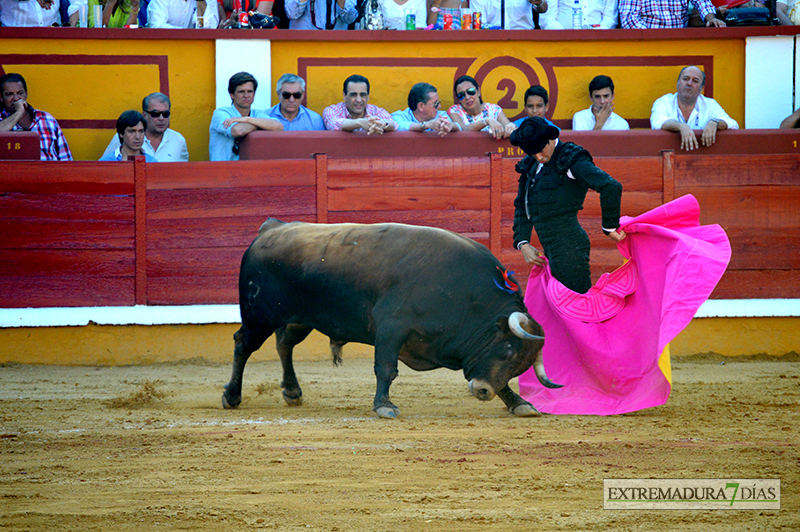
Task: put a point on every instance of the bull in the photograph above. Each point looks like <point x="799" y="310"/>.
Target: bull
<point x="426" y="296"/>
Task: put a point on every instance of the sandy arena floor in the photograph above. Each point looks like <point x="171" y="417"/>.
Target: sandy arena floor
<point x="150" y="448"/>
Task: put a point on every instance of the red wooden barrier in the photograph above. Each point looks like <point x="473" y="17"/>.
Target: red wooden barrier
<point x="90" y="233"/>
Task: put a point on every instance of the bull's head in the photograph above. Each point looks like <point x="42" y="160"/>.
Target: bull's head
<point x="517" y="347"/>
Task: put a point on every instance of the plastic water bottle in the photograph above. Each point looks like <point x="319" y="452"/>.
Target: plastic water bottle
<point x="577" y="15"/>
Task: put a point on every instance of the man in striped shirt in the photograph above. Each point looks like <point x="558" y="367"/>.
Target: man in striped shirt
<point x="642" y="14"/>
<point x="355" y="112"/>
<point x="18" y="115"/>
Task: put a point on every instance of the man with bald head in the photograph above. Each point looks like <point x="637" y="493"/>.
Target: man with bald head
<point x="688" y="110"/>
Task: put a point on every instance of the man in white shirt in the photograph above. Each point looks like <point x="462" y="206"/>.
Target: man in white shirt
<point x="594" y="14"/>
<point x="164" y="144"/>
<point x="423" y="113"/>
<point x="600" y="115"/>
<point x="687" y="110"/>
<point x="231" y="124"/>
<point x="181" y="14"/>
<point x="321" y="14"/>
<point x="32" y="13"/>
<point x="508" y="14"/>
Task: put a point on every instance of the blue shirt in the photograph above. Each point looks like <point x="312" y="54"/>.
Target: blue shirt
<point x="116" y="155"/>
<point x="405" y="118"/>
<point x="518" y="122"/>
<point x="220" y="142"/>
<point x="306" y="119"/>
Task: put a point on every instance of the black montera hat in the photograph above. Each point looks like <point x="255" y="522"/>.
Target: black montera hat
<point x="533" y="135"/>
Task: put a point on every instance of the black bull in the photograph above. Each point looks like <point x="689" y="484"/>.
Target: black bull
<point x="426" y="296"/>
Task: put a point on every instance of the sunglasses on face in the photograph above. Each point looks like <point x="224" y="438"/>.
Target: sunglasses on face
<point x="156" y="114"/>
<point x="472" y="91"/>
<point x="295" y="95"/>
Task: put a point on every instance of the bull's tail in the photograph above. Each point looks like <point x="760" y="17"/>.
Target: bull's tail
<point x="336" y="351"/>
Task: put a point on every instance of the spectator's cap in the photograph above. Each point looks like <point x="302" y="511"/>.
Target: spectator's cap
<point x="533" y="135"/>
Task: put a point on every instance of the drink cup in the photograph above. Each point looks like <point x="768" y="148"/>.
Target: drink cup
<point x="201" y="21"/>
<point x="98" y="16"/>
<point x="83" y="16"/>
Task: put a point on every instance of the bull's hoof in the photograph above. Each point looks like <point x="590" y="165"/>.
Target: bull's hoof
<point x="228" y="405"/>
<point x="525" y="410"/>
<point x="293" y="401"/>
<point x="387" y="412"/>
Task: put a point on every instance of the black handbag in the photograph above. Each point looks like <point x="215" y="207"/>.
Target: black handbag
<point x="747" y="16"/>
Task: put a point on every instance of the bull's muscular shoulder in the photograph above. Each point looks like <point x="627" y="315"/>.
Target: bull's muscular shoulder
<point x="270" y="224"/>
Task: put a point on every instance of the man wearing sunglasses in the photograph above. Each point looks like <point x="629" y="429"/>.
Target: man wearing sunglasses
<point x="164" y="144"/>
<point x="423" y="112"/>
<point x="289" y="111"/>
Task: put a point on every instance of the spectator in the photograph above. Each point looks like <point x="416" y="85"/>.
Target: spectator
<point x="536" y="104"/>
<point x="423" y="114"/>
<point x="321" y="15"/>
<point x="355" y="112"/>
<point x="596" y="14"/>
<point x="180" y="14"/>
<point x="289" y="112"/>
<point x="164" y="144"/>
<point x="18" y="115"/>
<point x="472" y="114"/>
<point x="33" y="13"/>
<point x="600" y="115"/>
<point x="687" y="110"/>
<point x="440" y="8"/>
<point x="229" y="17"/>
<point x="130" y="135"/>
<point x="788" y="12"/>
<point x="73" y="15"/>
<point x="116" y="13"/>
<point x="230" y="124"/>
<point x="642" y="14"/>
<point x="394" y="13"/>
<point x="517" y="15"/>
<point x="791" y="121"/>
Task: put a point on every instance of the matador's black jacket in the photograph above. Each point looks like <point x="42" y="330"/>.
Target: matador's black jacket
<point x="550" y="200"/>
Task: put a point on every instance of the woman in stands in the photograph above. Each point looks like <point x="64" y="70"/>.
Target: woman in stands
<point x="116" y="13"/>
<point x="473" y="114"/>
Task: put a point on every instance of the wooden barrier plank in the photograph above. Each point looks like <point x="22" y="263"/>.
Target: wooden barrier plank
<point x="758" y="284"/>
<point x="73" y="262"/>
<point x="58" y="177"/>
<point x="736" y="170"/>
<point x="459" y="221"/>
<point x="747" y="206"/>
<point x="191" y="262"/>
<point x="231" y="174"/>
<point x="67" y="207"/>
<point x="396" y="171"/>
<point x="210" y="232"/>
<point x="55" y="290"/>
<point x="759" y="248"/>
<point x="195" y="290"/>
<point x="246" y="201"/>
<point x="38" y="233"/>
<point x="634" y="203"/>
<point x="407" y="198"/>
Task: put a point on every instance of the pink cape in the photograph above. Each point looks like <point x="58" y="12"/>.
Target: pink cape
<point x="604" y="346"/>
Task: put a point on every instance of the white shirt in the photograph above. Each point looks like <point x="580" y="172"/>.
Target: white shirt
<point x="172" y="148"/>
<point x="299" y="14"/>
<point x="519" y="13"/>
<point x="394" y="16"/>
<point x="179" y="14"/>
<point x="600" y="14"/>
<point x="666" y="108"/>
<point x="30" y="13"/>
<point x="585" y="121"/>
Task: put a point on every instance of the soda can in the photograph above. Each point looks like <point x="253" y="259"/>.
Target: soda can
<point x="476" y="20"/>
<point x="466" y="21"/>
<point x="411" y="21"/>
<point x="448" y="21"/>
<point x="243" y="20"/>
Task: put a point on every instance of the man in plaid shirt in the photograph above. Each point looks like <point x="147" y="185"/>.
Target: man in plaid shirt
<point x="355" y="112"/>
<point x="641" y="14"/>
<point x="17" y="115"/>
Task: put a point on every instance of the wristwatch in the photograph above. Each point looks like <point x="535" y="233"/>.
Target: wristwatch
<point x="714" y="120"/>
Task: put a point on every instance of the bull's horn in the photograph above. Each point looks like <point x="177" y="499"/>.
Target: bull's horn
<point x="538" y="368"/>
<point x="517" y="322"/>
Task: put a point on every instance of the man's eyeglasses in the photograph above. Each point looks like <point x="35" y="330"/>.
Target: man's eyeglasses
<point x="295" y="95"/>
<point x="472" y="91"/>
<point x="437" y="104"/>
<point x="156" y="114"/>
